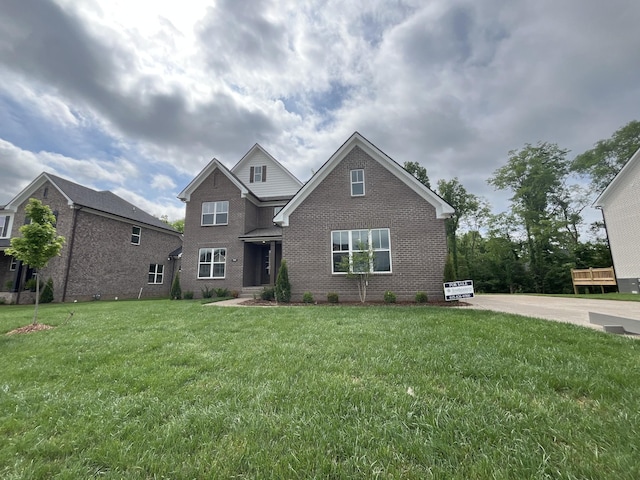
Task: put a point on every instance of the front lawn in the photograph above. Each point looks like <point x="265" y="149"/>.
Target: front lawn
<point x="160" y="389"/>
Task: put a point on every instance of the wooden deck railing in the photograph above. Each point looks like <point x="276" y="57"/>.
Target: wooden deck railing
<point x="593" y="276"/>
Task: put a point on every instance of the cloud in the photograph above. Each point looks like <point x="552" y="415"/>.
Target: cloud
<point x="162" y="182"/>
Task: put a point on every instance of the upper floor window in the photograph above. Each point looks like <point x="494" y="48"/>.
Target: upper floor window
<point x="357" y="182"/>
<point x="258" y="174"/>
<point x="361" y="250"/>
<point x="212" y="262"/>
<point x="136" y="232"/>
<point x="13" y="266"/>
<point x="4" y="225"/>
<point x="156" y="272"/>
<point x="215" y="213"/>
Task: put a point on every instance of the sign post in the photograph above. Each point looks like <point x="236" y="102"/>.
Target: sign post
<point x="458" y="290"/>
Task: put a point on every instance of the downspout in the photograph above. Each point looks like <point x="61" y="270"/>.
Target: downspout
<point x="71" y="242"/>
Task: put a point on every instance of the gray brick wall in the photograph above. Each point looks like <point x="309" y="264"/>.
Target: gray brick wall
<point x="418" y="241"/>
<point x="216" y="187"/>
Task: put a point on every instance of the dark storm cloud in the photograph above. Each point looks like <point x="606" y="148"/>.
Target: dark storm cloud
<point x="40" y="40"/>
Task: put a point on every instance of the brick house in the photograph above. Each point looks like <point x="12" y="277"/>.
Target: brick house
<point x="240" y="223"/>
<point x="112" y="249"/>
<point x="620" y="206"/>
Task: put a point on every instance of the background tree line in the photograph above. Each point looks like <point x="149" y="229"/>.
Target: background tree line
<point x="534" y="244"/>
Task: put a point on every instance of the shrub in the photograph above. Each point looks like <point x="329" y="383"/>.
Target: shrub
<point x="307" y="297"/>
<point x="267" y="294"/>
<point x="449" y="270"/>
<point x="389" y="297"/>
<point x="421" y="297"/>
<point x="46" y="296"/>
<point x="188" y="295"/>
<point x="332" y="297"/>
<point x="221" y="292"/>
<point x="235" y="293"/>
<point x="31" y="284"/>
<point x="9" y="285"/>
<point x="207" y="292"/>
<point x="176" y="290"/>
<point x="283" y="287"/>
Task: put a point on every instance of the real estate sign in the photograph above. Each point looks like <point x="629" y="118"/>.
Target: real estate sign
<point x="458" y="290"/>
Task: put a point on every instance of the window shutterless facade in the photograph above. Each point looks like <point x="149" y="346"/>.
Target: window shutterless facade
<point x="215" y="213"/>
<point x="357" y="183"/>
<point x="156" y="273"/>
<point x="212" y="262"/>
<point x="362" y="250"/>
<point x="136" y="233"/>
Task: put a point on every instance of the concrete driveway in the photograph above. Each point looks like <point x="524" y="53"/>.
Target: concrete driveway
<point x="569" y="310"/>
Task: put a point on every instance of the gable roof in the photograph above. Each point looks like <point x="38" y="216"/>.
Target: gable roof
<point x="601" y="201"/>
<point x="258" y="148"/>
<point x="443" y="209"/>
<point x="215" y="164"/>
<point x="100" y="201"/>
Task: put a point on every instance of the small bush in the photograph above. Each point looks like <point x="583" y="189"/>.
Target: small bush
<point x="268" y="294"/>
<point x="176" y="290"/>
<point x="235" y="293"/>
<point x="389" y="297"/>
<point x="307" y="297"/>
<point x="283" y="287"/>
<point x="188" y="295"/>
<point x="207" y="292"/>
<point x="46" y="296"/>
<point x="332" y="297"/>
<point x="421" y="297"/>
<point x="221" y="292"/>
<point x="9" y="285"/>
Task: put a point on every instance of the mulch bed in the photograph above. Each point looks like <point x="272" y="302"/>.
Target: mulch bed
<point x="30" y="328"/>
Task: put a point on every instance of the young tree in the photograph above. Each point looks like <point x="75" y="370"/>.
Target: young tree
<point x="176" y="289"/>
<point x="358" y="267"/>
<point x="39" y="242"/>
<point x="607" y="157"/>
<point x="283" y="287"/>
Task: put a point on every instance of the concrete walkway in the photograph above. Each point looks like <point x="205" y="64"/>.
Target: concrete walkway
<point x="559" y="309"/>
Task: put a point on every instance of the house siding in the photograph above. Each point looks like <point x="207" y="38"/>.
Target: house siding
<point x="216" y="187"/>
<point x="278" y="182"/>
<point x="418" y="241"/>
<point x="622" y="215"/>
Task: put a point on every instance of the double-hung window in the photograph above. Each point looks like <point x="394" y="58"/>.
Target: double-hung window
<point x="156" y="272"/>
<point x="258" y="174"/>
<point x="4" y="225"/>
<point x="360" y="251"/>
<point x="136" y="232"/>
<point x="212" y="262"/>
<point x="215" y="213"/>
<point x="357" y="183"/>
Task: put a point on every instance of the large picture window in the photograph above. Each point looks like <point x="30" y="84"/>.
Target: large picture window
<point x="156" y="272"/>
<point x="346" y="243"/>
<point x="215" y="213"/>
<point x="212" y="262"/>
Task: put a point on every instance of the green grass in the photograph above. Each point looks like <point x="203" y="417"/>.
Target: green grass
<point x="160" y="389"/>
<point x="626" y="297"/>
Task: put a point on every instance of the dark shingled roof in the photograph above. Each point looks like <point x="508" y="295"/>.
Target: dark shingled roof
<point x="106" y="202"/>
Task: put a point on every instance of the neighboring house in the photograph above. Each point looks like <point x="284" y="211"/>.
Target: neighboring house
<point x="112" y="248"/>
<point x="236" y="232"/>
<point x="620" y="205"/>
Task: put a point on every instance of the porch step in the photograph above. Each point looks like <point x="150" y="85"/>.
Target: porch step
<point x="251" y="292"/>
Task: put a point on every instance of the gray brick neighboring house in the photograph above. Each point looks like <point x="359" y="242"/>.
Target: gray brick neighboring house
<point x="233" y="239"/>
<point x="112" y="249"/>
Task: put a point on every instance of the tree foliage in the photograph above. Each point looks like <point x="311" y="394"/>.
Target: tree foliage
<point x="419" y="172"/>
<point x="358" y="266"/>
<point x="283" y="287"/>
<point x="176" y="289"/>
<point x="38" y="242"/>
<point x="607" y="157"/>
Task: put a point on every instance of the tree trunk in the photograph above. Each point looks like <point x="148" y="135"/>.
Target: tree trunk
<point x="35" y="313"/>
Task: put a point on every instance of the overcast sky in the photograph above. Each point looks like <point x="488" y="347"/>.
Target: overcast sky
<point x="137" y="96"/>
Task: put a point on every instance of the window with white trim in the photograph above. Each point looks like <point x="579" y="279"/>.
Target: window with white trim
<point x="4" y="225"/>
<point x="346" y="243"/>
<point x="13" y="266"/>
<point x="156" y="273"/>
<point x="136" y="233"/>
<point x="212" y="262"/>
<point x="357" y="182"/>
<point x="215" y="213"/>
<point x="258" y="174"/>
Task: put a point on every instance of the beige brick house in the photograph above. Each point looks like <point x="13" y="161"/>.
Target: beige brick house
<point x="112" y="249"/>
<point x="620" y="205"/>
<point x="241" y="223"/>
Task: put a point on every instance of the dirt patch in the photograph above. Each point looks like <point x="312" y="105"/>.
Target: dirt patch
<point x="30" y="328"/>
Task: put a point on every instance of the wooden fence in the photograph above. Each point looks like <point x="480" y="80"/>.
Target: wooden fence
<point x="592" y="277"/>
